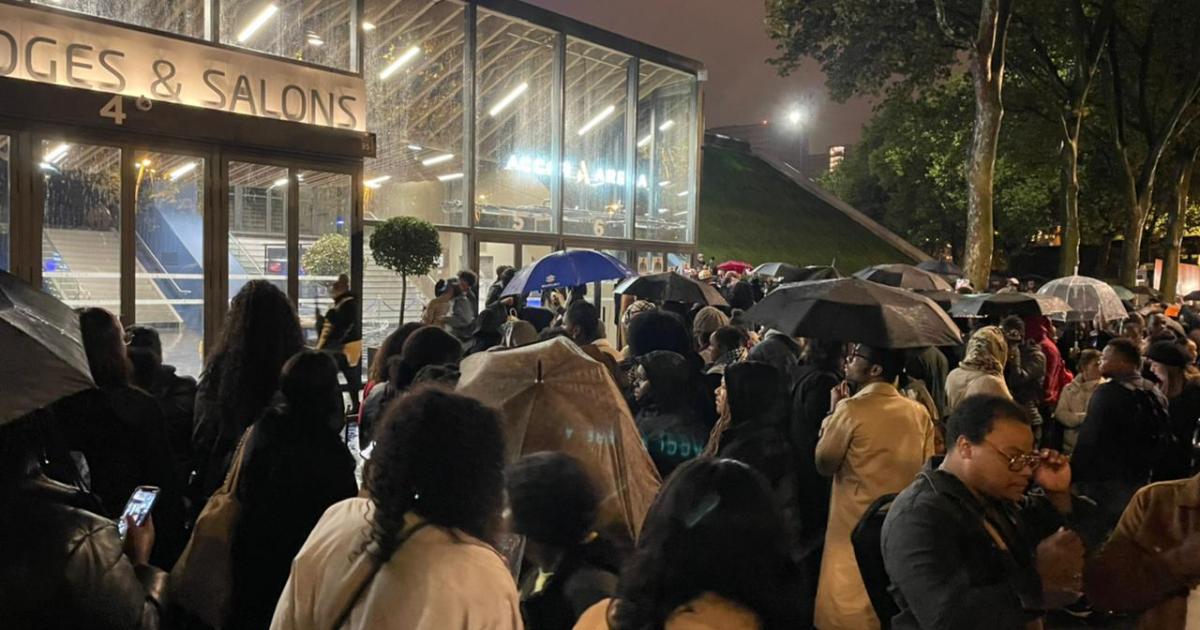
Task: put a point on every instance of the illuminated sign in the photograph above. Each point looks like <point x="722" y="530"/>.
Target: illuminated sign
<point x="585" y="174"/>
<point x="50" y="47"/>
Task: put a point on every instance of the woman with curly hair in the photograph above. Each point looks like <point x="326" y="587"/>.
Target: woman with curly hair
<point x="417" y="553"/>
<point x="713" y="554"/>
<point x="241" y="377"/>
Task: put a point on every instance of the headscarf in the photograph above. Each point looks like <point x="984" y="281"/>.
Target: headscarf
<point x="987" y="351"/>
<point x="708" y="320"/>
<point x="633" y="310"/>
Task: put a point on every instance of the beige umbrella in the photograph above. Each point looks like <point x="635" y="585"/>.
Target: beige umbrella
<point x="555" y="398"/>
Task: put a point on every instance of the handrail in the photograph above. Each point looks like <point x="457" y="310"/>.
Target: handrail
<point x="161" y="268"/>
<point x="246" y="253"/>
<point x="58" y="281"/>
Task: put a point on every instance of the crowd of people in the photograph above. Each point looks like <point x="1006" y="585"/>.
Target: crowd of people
<point x="1028" y="475"/>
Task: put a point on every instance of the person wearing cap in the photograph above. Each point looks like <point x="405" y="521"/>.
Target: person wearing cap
<point x="873" y="443"/>
<point x="1168" y="364"/>
<point x="341" y="336"/>
<point x="175" y="394"/>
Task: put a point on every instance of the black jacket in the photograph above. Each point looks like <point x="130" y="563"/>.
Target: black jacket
<point x="810" y="405"/>
<point x="176" y="397"/>
<point x="1123" y="434"/>
<point x="585" y="576"/>
<point x="340" y="325"/>
<point x="948" y="571"/>
<point x="1025" y="379"/>
<point x="293" y="469"/>
<point x="63" y="566"/>
<point x="764" y="446"/>
<point x="672" y="437"/>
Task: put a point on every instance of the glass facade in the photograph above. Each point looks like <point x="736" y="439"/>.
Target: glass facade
<point x="514" y="89"/>
<point x="314" y="31"/>
<point x="325" y="206"/>
<point x="258" y="202"/>
<point x="5" y="201"/>
<point x="666" y="138"/>
<point x="182" y="17"/>
<point x="594" y="158"/>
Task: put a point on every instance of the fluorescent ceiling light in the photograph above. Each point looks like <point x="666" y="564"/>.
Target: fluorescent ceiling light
<point x="438" y="159"/>
<point x="644" y="141"/>
<point x="667" y="125"/>
<point x="666" y="183"/>
<point x="507" y="100"/>
<point x="314" y="39"/>
<point x="182" y="170"/>
<point x="367" y="26"/>
<point x="377" y="181"/>
<point x="46" y="166"/>
<point x="144" y="163"/>
<point x="279" y="182"/>
<point x="682" y="194"/>
<point x="404" y="58"/>
<point x="451" y="177"/>
<point x="56" y="153"/>
<point x="597" y="119"/>
<point x="257" y="22"/>
<point x="414" y="147"/>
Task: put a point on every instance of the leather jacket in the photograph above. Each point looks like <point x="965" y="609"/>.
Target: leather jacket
<point x="62" y="566"/>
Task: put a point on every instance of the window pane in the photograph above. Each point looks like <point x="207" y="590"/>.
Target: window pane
<point x="381" y="288"/>
<point x="182" y="17"/>
<point x="5" y="203"/>
<point x="666" y="124"/>
<point x="81" y="238"/>
<point x="324" y="241"/>
<point x="493" y="256"/>
<point x="594" y="153"/>
<point x="514" y="63"/>
<point x="169" y="248"/>
<point x="414" y="72"/>
<point x="257" y="225"/>
<point x="316" y="31"/>
<point x="659" y="262"/>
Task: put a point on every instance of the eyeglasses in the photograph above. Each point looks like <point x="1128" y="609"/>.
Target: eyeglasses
<point x="1018" y="462"/>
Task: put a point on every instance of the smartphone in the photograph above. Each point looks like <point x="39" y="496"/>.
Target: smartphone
<point x="139" y="505"/>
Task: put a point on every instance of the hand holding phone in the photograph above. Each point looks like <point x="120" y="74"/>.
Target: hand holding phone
<point x="137" y="508"/>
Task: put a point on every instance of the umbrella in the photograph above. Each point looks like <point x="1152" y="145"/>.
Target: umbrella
<point x="940" y="267"/>
<point x="673" y="287"/>
<point x="1122" y="293"/>
<point x="43" y="347"/>
<point x="553" y="397"/>
<point x="776" y="270"/>
<point x="1092" y="299"/>
<point x="853" y="309"/>
<point x="791" y="273"/>
<point x="905" y="277"/>
<point x="944" y="299"/>
<point x="566" y="269"/>
<point x="998" y="305"/>
<point x="736" y="266"/>
<point x="1192" y="297"/>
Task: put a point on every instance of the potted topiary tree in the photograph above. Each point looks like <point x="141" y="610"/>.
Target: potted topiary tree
<point x="328" y="256"/>
<point x="408" y="246"/>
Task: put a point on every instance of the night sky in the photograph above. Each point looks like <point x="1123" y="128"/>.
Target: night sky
<point x="729" y="37"/>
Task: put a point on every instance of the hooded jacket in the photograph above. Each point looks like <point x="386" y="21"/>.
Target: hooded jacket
<point x="982" y="369"/>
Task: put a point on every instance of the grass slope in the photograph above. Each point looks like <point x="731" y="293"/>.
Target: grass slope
<point x="749" y="211"/>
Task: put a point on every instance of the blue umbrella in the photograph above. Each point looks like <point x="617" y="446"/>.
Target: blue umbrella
<point x="566" y="269"/>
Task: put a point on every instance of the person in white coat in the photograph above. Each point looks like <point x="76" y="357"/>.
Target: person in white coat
<point x="1073" y="401"/>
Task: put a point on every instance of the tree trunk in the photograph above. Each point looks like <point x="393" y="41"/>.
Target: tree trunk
<point x="1103" y="258"/>
<point x="1068" y="251"/>
<point x="1182" y="180"/>
<point x="1131" y="249"/>
<point x="403" y="296"/>
<point x="987" y="74"/>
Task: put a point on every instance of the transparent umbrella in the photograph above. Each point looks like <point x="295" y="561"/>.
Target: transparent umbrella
<point x="1093" y="300"/>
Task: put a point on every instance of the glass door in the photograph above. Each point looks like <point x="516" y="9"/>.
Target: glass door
<point x="169" y="254"/>
<point x="323" y="227"/>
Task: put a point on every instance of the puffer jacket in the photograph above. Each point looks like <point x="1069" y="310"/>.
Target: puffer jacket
<point x="63" y="566"/>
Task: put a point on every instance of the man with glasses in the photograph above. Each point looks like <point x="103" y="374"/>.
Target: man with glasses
<point x="873" y="443"/>
<point x="969" y="544"/>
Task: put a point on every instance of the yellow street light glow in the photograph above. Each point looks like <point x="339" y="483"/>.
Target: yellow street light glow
<point x="451" y="177"/>
<point x="56" y="153"/>
<point x="404" y="58"/>
<point x="597" y="119"/>
<point x="257" y="22"/>
<point x="180" y="171"/>
<point x="377" y="181"/>
<point x="437" y="159"/>
<point x="507" y="100"/>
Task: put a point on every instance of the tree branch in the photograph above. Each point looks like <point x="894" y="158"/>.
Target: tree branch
<point x="943" y="22"/>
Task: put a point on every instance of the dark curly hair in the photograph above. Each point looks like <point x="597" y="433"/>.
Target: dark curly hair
<point x="440" y="455"/>
<point x="714" y="528"/>
<point x="261" y="332"/>
<point x="104" y="344"/>
<point x="427" y="345"/>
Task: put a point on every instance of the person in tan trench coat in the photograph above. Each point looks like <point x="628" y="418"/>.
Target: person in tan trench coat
<point x="873" y="443"/>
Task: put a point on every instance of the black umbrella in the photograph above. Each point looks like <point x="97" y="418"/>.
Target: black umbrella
<point x="904" y="277"/>
<point x="792" y="273"/>
<point x="1192" y="297"/>
<point x="997" y="305"/>
<point x="673" y="287"/>
<point x="940" y="267"/>
<point x="944" y="299"/>
<point x="852" y="309"/>
<point x="43" y="348"/>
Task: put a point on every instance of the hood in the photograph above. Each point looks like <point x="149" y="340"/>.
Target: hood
<point x="1037" y="328"/>
<point x="987" y="351"/>
<point x="708" y="320"/>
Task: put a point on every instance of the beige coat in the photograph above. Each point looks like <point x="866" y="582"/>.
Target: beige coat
<point x="1072" y="408"/>
<point x="981" y="370"/>
<point x="439" y="579"/>
<point x="707" y="612"/>
<point x="873" y="444"/>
